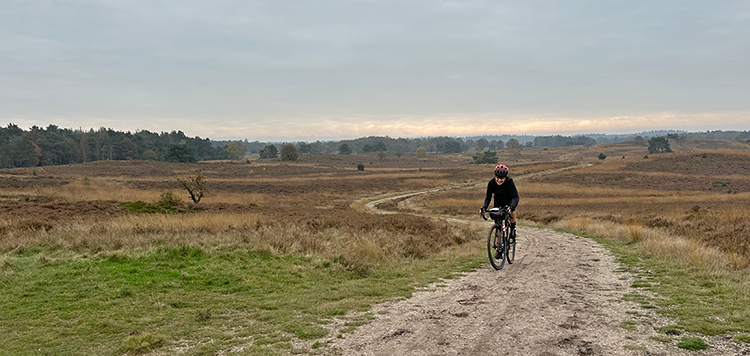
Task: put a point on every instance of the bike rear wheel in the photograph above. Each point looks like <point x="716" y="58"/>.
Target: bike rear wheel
<point x="496" y="248"/>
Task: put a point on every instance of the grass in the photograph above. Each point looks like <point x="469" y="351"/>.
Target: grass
<point x="663" y="339"/>
<point x="134" y="302"/>
<point x="703" y="300"/>
<point x="629" y="325"/>
<point x="258" y="272"/>
<point x="692" y="343"/>
<point x="142" y="342"/>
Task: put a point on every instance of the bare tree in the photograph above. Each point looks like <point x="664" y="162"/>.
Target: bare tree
<point x="195" y="185"/>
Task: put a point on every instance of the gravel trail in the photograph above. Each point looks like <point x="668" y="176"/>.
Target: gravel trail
<point x="562" y="296"/>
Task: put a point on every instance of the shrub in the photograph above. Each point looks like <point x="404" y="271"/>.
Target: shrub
<point x="485" y="157"/>
<point x="142" y="207"/>
<point x="169" y="200"/>
<point x="360" y="167"/>
<point x="289" y="153"/>
<point x="602" y="155"/>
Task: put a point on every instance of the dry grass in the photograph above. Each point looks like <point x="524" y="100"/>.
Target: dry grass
<point x="116" y="190"/>
<point x="660" y="243"/>
<point x="706" y="228"/>
<point x="357" y="246"/>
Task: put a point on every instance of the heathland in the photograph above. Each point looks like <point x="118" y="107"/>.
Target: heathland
<point x="112" y="257"/>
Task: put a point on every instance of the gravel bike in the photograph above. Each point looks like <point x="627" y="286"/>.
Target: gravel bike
<point x="499" y="245"/>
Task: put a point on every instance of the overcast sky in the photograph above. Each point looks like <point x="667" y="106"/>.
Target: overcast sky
<point x="335" y="69"/>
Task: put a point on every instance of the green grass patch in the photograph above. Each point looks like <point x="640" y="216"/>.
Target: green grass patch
<point x="140" y="301"/>
<point x="629" y="325"/>
<point x="662" y="338"/>
<point x="142" y="342"/>
<point x="742" y="338"/>
<point x="142" y="207"/>
<point x="692" y="343"/>
<point x="705" y="302"/>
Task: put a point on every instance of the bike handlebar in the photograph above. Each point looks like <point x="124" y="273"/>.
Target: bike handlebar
<point x="482" y="211"/>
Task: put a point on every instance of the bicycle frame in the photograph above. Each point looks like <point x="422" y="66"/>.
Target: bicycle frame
<point x="499" y="247"/>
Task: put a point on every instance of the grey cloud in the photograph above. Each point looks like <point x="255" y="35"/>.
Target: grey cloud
<point x="252" y="59"/>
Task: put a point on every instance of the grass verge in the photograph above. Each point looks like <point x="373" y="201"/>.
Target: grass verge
<point x="705" y="301"/>
<point x="194" y="300"/>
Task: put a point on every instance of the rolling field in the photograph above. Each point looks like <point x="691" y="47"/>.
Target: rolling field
<point x="262" y="265"/>
<point x="279" y="255"/>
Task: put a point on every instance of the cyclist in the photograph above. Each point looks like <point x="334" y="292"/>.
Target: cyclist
<point x="505" y="193"/>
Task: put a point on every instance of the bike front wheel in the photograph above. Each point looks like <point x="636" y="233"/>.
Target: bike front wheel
<point x="496" y="248"/>
<point x="511" y="253"/>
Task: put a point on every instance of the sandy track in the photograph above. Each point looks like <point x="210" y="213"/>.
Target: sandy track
<point x="562" y="296"/>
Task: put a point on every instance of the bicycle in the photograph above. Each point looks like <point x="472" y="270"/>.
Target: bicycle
<point x="499" y="246"/>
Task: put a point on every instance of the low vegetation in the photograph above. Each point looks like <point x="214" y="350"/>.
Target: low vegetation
<point x="252" y="269"/>
<point x="117" y="257"/>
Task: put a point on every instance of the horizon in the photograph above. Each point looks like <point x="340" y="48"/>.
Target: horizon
<point x="313" y="138"/>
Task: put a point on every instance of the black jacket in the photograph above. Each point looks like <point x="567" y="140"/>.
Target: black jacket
<point x="505" y="194"/>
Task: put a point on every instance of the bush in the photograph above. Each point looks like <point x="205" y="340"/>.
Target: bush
<point x="602" y="155"/>
<point x="167" y="204"/>
<point x="360" y="167"/>
<point x="169" y="200"/>
<point x="485" y="157"/>
<point x="142" y="207"/>
<point x="289" y="153"/>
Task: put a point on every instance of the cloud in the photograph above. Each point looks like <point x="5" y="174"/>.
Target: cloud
<point x="352" y="67"/>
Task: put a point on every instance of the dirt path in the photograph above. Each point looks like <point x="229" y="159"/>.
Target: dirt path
<point x="562" y="296"/>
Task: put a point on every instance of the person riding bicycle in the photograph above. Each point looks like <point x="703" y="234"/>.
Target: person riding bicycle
<point x="506" y="194"/>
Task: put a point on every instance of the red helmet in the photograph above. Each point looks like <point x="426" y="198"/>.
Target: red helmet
<point x="501" y="171"/>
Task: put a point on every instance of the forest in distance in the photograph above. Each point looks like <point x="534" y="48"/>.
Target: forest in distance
<point x="55" y="146"/>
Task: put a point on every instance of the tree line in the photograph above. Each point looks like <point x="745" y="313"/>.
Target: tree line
<point x="53" y="145"/>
